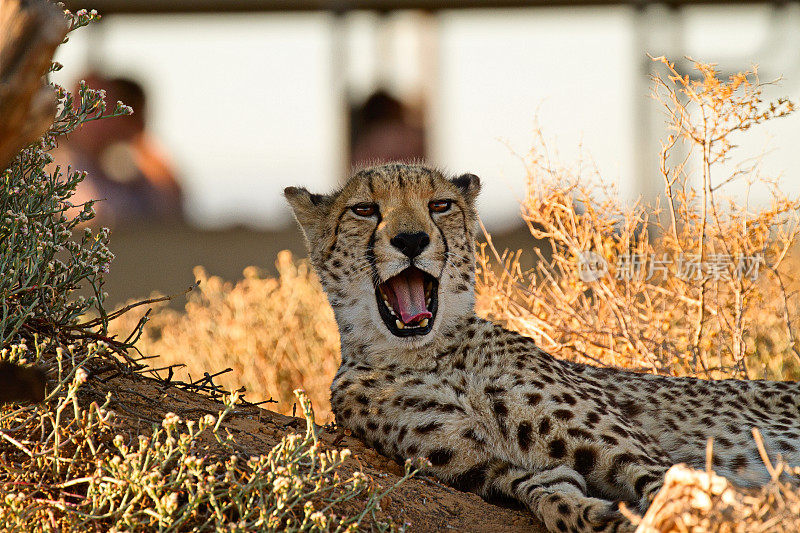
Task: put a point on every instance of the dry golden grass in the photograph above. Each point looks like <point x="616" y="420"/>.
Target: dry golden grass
<point x="277" y="334"/>
<point x="703" y="502"/>
<point x="693" y="308"/>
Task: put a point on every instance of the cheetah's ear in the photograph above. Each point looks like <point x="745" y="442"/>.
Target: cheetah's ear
<point x="469" y="185"/>
<point x="309" y="209"/>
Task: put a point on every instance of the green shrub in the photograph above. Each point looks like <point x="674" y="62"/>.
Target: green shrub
<point x="42" y="264"/>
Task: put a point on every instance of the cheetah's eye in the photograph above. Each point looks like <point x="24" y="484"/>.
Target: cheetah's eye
<point x="439" y="206"/>
<point x="365" y="210"/>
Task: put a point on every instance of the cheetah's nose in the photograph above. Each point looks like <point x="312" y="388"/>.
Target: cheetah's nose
<point x="411" y="244"/>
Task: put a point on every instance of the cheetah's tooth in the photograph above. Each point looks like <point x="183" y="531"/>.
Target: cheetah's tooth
<point x="399" y="324"/>
<point x="423" y="323"/>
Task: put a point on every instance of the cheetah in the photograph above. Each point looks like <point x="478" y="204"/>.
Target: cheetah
<point x="422" y="376"/>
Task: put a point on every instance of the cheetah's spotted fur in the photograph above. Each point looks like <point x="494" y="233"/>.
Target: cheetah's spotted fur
<point x="492" y="412"/>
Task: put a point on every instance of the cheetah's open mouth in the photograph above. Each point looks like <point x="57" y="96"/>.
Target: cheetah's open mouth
<point x="408" y="301"/>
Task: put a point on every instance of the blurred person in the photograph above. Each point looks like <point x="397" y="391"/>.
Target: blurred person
<point x="382" y="131"/>
<point x="126" y="168"/>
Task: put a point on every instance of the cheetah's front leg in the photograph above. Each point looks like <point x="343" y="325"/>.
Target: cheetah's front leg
<point x="557" y="497"/>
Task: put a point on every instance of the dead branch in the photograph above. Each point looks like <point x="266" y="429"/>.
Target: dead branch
<point x="30" y="31"/>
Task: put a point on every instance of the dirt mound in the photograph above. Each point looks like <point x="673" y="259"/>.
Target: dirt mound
<point x="690" y="500"/>
<point x="422" y="502"/>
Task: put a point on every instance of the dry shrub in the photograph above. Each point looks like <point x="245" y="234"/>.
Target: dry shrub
<point x="703" y="502"/>
<point x="277" y="334"/>
<point x="681" y="295"/>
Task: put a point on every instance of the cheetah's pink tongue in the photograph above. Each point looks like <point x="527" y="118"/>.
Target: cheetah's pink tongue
<point x="408" y="288"/>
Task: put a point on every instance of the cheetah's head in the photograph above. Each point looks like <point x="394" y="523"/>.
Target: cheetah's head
<point x="394" y="250"/>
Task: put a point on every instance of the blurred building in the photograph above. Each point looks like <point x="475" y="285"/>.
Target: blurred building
<point x="251" y="96"/>
<point x="248" y="97"/>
